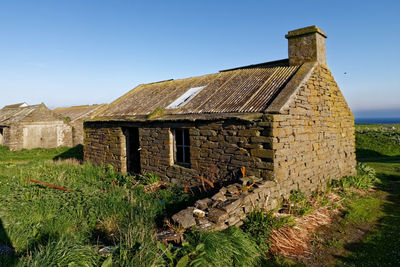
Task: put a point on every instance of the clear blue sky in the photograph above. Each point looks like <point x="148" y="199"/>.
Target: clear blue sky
<point x="72" y="52"/>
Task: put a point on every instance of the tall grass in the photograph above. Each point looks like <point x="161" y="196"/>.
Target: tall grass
<point x="62" y="252"/>
<point x="260" y="224"/>
<point x="231" y="247"/>
<point x="103" y="209"/>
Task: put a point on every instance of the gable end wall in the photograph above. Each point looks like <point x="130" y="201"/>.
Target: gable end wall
<point x="314" y="139"/>
<point x="42" y="128"/>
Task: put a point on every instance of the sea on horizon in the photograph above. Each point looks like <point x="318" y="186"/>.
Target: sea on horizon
<point x="377" y="120"/>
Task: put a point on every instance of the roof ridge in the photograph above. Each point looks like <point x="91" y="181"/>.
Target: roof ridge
<point x="275" y="63"/>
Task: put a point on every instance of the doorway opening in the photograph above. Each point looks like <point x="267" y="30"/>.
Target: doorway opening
<point x="132" y="150"/>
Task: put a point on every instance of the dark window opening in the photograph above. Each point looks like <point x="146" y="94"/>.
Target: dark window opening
<point x="132" y="150"/>
<point x="181" y="147"/>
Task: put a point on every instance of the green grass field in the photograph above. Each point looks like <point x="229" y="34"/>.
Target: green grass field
<point x="379" y="148"/>
<point x="99" y="209"/>
<point x="104" y="209"/>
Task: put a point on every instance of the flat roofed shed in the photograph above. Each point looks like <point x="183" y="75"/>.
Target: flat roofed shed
<point x="246" y="89"/>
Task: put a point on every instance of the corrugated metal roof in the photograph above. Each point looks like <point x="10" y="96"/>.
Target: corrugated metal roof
<point x="232" y="91"/>
<point x="13" y="115"/>
<point x="77" y="112"/>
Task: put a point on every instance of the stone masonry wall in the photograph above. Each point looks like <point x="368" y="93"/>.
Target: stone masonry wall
<point x="217" y="151"/>
<point x="314" y="141"/>
<point x="13" y="137"/>
<point x="103" y="145"/>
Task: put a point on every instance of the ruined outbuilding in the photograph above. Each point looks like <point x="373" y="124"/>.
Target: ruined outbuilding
<point x="285" y="122"/>
<point x="76" y="115"/>
<point x="23" y="126"/>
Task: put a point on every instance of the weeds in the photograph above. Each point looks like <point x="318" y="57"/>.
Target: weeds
<point x="149" y="178"/>
<point x="259" y="225"/>
<point x="365" y="178"/>
<point x="298" y="204"/>
<point x="335" y="243"/>
<point x="156" y="113"/>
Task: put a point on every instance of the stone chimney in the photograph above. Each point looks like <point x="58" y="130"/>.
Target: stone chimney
<point x="306" y="45"/>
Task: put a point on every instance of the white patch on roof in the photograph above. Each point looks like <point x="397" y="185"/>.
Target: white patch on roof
<point x="185" y="97"/>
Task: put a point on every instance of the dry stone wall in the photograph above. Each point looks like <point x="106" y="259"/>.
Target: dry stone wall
<point x="314" y="141"/>
<point x="103" y="145"/>
<point x="230" y="205"/>
<point x="217" y="151"/>
<point x="12" y="137"/>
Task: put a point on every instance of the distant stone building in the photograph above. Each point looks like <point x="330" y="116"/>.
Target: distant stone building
<point x="23" y="126"/>
<point x="76" y="115"/>
<point x="284" y="121"/>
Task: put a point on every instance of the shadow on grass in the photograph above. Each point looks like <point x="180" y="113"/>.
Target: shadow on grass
<point x="3" y="236"/>
<point x="367" y="155"/>
<point x="380" y="247"/>
<point x="7" y="255"/>
<point x="72" y="153"/>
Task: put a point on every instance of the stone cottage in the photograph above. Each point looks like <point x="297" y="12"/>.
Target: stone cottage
<point x="285" y="121"/>
<point x="23" y="126"/>
<point x="76" y="115"/>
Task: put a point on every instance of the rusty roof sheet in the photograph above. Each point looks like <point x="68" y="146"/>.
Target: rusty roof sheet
<point x="239" y="90"/>
<point x="14" y="115"/>
<point x="77" y="112"/>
